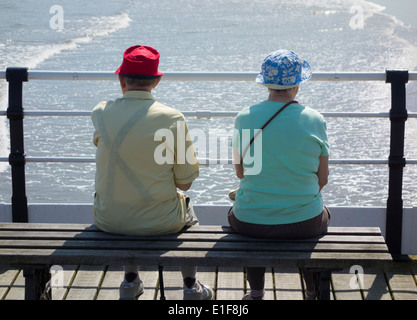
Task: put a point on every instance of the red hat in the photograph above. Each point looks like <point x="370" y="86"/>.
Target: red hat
<point x="140" y="62"/>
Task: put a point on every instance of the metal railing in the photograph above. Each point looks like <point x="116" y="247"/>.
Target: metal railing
<point x="397" y="115"/>
<point x="205" y="76"/>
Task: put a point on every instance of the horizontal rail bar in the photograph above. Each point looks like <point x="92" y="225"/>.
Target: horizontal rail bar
<point x="205" y="161"/>
<point x="204" y="76"/>
<point x="210" y="114"/>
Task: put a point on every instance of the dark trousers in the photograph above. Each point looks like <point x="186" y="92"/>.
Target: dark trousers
<point x="299" y="230"/>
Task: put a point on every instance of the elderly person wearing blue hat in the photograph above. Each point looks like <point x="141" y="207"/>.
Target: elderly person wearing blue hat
<point x="280" y="197"/>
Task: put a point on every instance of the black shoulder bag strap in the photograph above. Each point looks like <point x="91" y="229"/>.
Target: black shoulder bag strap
<point x="263" y="127"/>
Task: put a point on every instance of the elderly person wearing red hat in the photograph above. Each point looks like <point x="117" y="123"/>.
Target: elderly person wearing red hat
<point x="136" y="193"/>
<point x="282" y="199"/>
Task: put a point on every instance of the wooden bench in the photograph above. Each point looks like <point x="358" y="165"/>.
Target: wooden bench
<point x="36" y="247"/>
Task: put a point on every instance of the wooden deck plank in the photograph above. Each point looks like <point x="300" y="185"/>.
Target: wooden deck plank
<point x="59" y="286"/>
<point x="86" y="282"/>
<point x="149" y="276"/>
<point x="288" y="283"/>
<point x="374" y="285"/>
<point x="345" y="285"/>
<point x="17" y="291"/>
<point x="7" y="280"/>
<point x="269" y="285"/>
<point x="109" y="289"/>
<point x="401" y="282"/>
<point x="173" y="283"/>
<point x="414" y="271"/>
<point x="230" y="283"/>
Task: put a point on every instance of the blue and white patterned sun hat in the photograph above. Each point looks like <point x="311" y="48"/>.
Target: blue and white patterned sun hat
<point x="283" y="69"/>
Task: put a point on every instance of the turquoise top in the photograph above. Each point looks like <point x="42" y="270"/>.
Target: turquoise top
<point x="280" y="185"/>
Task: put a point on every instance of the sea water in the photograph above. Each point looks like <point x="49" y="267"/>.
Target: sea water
<point x="215" y="35"/>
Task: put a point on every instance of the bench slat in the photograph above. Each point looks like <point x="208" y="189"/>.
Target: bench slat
<point x="22" y="244"/>
<point x="47" y="226"/>
<point x="199" y="228"/>
<point x="67" y="235"/>
<point x="200" y="257"/>
<point x="192" y="245"/>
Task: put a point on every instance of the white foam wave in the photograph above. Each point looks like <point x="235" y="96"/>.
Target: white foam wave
<point x="368" y="9"/>
<point x="103" y="26"/>
<point x="33" y="55"/>
<point x="98" y="27"/>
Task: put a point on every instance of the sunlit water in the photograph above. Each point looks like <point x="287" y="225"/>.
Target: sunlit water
<point x="206" y="36"/>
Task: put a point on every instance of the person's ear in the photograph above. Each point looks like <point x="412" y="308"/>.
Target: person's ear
<point x="122" y="83"/>
<point x="157" y="82"/>
<point x="294" y="92"/>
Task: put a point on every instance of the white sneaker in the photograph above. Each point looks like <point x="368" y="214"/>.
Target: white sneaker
<point x="130" y="290"/>
<point x="248" y="296"/>
<point x="197" y="292"/>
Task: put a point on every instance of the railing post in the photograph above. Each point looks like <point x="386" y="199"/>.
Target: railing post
<point x="398" y="117"/>
<point x="15" y="77"/>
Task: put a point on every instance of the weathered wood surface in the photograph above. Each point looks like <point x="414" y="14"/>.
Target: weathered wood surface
<point x="202" y="245"/>
<point x="282" y="283"/>
<point x="216" y="250"/>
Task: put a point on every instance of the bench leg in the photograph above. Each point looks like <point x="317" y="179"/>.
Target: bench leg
<point x="321" y="281"/>
<point x="324" y="285"/>
<point x="161" y="282"/>
<point x="36" y="278"/>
